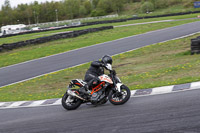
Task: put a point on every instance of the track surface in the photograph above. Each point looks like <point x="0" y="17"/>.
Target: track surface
<point x="173" y="113"/>
<point x="23" y="71"/>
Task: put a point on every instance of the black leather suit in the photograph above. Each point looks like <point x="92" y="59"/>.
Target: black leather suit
<point x="91" y="77"/>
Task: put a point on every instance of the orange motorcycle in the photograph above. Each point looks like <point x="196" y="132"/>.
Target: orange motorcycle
<point x="110" y="88"/>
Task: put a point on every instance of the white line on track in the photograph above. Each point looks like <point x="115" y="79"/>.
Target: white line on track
<point x="1" y="104"/>
<point x="160" y="90"/>
<point x="16" y="104"/>
<point x="168" y="92"/>
<point x="133" y="92"/>
<point x="195" y="85"/>
<point x="58" y="102"/>
<point x="36" y="103"/>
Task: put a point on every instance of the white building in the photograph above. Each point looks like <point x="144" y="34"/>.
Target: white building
<point x="12" y="29"/>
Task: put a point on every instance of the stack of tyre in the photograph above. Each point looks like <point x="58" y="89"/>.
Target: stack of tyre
<point x="45" y="39"/>
<point x="195" y="45"/>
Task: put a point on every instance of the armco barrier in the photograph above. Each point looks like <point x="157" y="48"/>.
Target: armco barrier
<point x="103" y="22"/>
<point x="40" y="40"/>
<point x="195" y="45"/>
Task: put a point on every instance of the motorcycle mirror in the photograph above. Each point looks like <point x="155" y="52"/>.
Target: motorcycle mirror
<point x="109" y="66"/>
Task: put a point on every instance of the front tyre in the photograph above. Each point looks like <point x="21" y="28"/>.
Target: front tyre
<point x="119" y="98"/>
<point x="70" y="102"/>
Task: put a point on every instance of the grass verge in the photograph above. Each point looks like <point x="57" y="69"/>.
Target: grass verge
<point x="135" y="8"/>
<point x="156" y="65"/>
<point x="63" y="45"/>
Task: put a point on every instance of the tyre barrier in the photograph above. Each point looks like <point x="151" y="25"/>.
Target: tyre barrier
<point x="195" y="46"/>
<point x="103" y="22"/>
<point x="11" y="46"/>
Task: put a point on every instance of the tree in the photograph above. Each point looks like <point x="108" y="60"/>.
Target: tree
<point x="72" y="8"/>
<point x="105" y="5"/>
<point x="36" y="9"/>
<point x="117" y="5"/>
<point x="6" y="13"/>
<point x="82" y="11"/>
<point x="7" y="4"/>
<point x="94" y="3"/>
<point x="88" y="6"/>
<point x="147" y="7"/>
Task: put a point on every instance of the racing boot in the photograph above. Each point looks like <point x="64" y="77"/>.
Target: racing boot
<point x="85" y="90"/>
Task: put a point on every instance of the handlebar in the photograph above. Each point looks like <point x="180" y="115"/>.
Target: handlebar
<point x="113" y="72"/>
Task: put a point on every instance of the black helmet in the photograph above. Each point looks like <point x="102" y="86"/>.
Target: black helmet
<point x="106" y="59"/>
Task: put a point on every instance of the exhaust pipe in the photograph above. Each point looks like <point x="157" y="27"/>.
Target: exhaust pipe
<point x="75" y="95"/>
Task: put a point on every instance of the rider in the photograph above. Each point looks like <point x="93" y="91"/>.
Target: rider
<point x="96" y="69"/>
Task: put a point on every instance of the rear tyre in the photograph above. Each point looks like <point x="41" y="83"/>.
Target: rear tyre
<point x="119" y="98"/>
<point x="70" y="103"/>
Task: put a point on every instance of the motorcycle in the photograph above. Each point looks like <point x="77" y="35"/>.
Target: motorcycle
<point x="110" y="88"/>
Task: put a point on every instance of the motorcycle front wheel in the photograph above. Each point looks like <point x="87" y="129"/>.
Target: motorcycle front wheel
<point x="119" y="98"/>
<point x="70" y="102"/>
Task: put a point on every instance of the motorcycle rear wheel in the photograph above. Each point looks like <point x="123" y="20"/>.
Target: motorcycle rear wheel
<point x="117" y="98"/>
<point x="70" y="103"/>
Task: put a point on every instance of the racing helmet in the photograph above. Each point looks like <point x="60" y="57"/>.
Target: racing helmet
<point x="106" y="59"/>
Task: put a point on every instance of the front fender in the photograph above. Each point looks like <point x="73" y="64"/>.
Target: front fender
<point x="118" y="87"/>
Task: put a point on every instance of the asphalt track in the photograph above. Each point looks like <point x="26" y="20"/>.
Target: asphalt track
<point x="30" y="69"/>
<point x="167" y="113"/>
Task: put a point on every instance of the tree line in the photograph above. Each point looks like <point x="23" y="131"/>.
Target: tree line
<point x="63" y="10"/>
<point x="70" y="9"/>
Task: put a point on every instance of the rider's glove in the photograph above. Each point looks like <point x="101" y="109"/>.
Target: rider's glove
<point x="114" y="72"/>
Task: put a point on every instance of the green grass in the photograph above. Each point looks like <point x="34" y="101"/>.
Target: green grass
<point x="135" y="9"/>
<point x="156" y="65"/>
<point x="63" y="45"/>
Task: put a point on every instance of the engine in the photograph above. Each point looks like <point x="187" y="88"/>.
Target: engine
<point x="97" y="97"/>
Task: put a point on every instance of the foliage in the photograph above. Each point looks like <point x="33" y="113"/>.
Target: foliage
<point x="69" y="9"/>
<point x="98" y="12"/>
<point x="66" y="9"/>
<point x="188" y="3"/>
